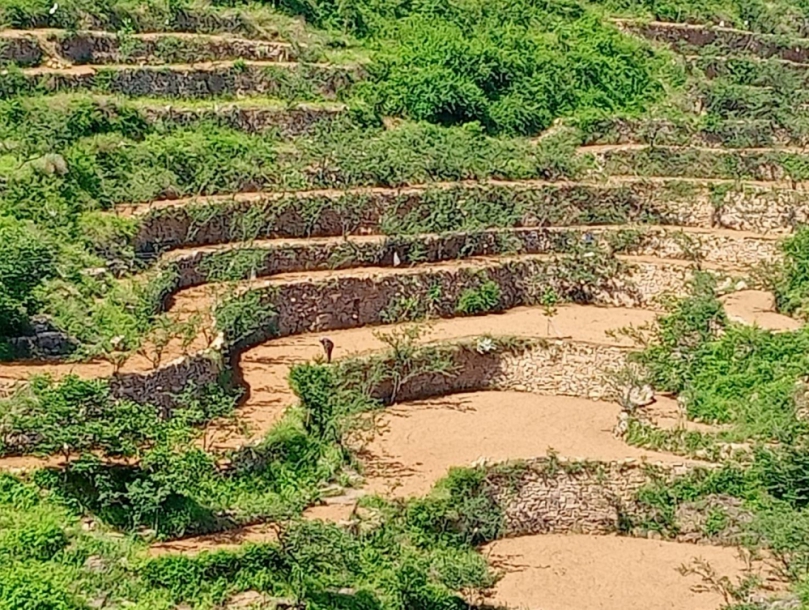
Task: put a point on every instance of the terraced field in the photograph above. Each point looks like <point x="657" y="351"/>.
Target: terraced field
<point x="502" y="312"/>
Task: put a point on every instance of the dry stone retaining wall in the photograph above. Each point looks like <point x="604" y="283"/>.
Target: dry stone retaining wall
<point x="288" y="122"/>
<point x="21" y="50"/>
<point x="558" y="367"/>
<point x="161" y="386"/>
<point x="108" y="48"/>
<point x="198" y="82"/>
<point x="363" y="211"/>
<point x="550" y="495"/>
<point x="731" y="133"/>
<point x="203" y="266"/>
<point x="685" y="37"/>
<point x="349" y="302"/>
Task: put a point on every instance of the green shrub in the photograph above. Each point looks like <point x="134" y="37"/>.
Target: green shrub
<point x="682" y="332"/>
<point x="31" y="586"/>
<point x="27" y="257"/>
<point x="784" y="473"/>
<point x="459" y="511"/>
<point x="316" y="387"/>
<point x="791" y="285"/>
<point x="38" y="539"/>
<point x="510" y="65"/>
<point x="483" y="299"/>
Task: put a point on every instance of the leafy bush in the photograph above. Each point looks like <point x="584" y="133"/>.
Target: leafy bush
<point x="77" y="415"/>
<point x="770" y="17"/>
<point x="791" y="284"/>
<point x="682" y="332"/>
<point x="27" y="258"/>
<point x="459" y="511"/>
<point x="484" y="298"/>
<point x="512" y="66"/>
<point x="316" y="387"/>
<point x="30" y="586"/>
<point x="784" y="473"/>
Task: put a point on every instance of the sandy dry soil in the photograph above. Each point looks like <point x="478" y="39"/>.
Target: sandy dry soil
<point x="567" y="572"/>
<point x="757" y="307"/>
<point x="418" y="442"/>
<point x="265" y="368"/>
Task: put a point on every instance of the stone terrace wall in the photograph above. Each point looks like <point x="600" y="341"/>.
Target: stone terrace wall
<point x="206" y="266"/>
<point x="559" y="367"/>
<point x="21" y="50"/>
<point x="565" y="496"/>
<point x="197" y="82"/>
<point x="349" y="302"/>
<point x="103" y="47"/>
<point x="664" y="132"/>
<point x="716" y="248"/>
<point x="688" y="37"/>
<point x="161" y="386"/>
<point x="251" y="119"/>
<point x="362" y="211"/>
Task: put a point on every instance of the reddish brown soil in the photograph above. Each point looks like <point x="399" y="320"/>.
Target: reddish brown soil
<point x="418" y="442"/>
<point x="559" y="572"/>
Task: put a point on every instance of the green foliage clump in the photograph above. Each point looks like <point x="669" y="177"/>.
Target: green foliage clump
<point x="316" y="387"/>
<point x="241" y="315"/>
<point x="791" y="283"/>
<point x="74" y="415"/>
<point x="779" y="17"/>
<point x="745" y="376"/>
<point x="27" y="259"/>
<point x="682" y="332"/>
<point x="511" y="66"/>
<point x="484" y="298"/>
<point x="458" y="511"/>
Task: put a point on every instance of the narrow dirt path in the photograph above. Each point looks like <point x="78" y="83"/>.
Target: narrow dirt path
<point x="740" y="236"/>
<point x="265" y="367"/>
<point x="600" y="149"/>
<point x="227" y="540"/>
<point x="203" y="66"/>
<point x="49" y="33"/>
<point x="757" y="307"/>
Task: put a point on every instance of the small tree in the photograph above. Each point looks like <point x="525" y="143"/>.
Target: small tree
<point x="549" y="300"/>
<point x="158" y="339"/>
<point x="406" y="359"/>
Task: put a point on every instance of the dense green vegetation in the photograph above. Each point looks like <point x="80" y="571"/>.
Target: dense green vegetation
<point x="513" y="66"/>
<point x="728" y="372"/>
<point x="119" y="166"/>
<point x="780" y="17"/>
